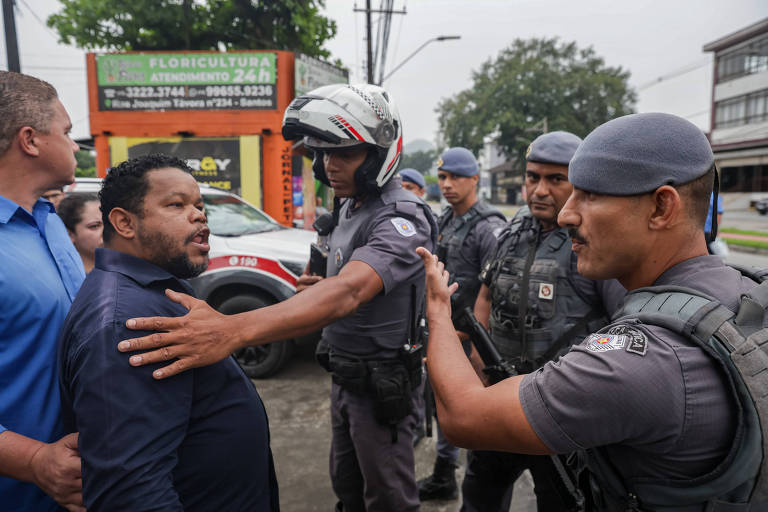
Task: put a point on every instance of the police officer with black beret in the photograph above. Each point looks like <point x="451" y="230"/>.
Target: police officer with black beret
<point x="651" y="402"/>
<point x="468" y="229"/>
<point x="537" y="306"/>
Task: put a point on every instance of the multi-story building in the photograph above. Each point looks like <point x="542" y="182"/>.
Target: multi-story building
<point x="739" y="119"/>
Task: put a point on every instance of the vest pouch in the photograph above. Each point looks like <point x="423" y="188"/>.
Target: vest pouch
<point x="542" y="288"/>
<point x="391" y="391"/>
<point x="350" y="374"/>
<point x="505" y="289"/>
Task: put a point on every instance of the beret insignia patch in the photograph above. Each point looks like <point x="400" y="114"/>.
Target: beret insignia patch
<point x="528" y="151"/>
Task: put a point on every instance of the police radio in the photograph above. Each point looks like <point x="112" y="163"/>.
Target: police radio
<point x="318" y="252"/>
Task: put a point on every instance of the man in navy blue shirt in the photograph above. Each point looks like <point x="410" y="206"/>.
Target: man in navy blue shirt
<point x="40" y="273"/>
<point x="196" y="442"/>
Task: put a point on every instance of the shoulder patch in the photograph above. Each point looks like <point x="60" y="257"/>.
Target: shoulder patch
<point x="605" y="342"/>
<point x="638" y="341"/>
<point x="403" y="226"/>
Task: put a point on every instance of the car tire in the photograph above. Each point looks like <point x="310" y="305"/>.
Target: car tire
<point x="262" y="361"/>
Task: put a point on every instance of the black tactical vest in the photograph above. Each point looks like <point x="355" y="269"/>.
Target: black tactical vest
<point x="380" y="326"/>
<point x="537" y="311"/>
<point x="740" y="482"/>
<point x="450" y="241"/>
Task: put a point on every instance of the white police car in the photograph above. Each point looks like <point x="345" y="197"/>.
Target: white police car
<point x="254" y="262"/>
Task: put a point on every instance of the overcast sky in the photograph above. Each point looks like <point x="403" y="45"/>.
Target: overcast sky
<point x="650" y="38"/>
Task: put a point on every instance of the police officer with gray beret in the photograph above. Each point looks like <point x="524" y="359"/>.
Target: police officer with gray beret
<point x="413" y="181"/>
<point x="663" y="404"/>
<point x="468" y="229"/>
<point x="537" y="306"/>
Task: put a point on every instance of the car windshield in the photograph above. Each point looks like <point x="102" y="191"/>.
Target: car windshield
<point x="229" y="216"/>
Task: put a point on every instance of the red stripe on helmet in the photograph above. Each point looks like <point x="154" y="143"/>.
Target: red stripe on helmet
<point x="349" y="126"/>
<point x="399" y="149"/>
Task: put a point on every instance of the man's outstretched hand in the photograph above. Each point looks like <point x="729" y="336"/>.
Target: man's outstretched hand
<point x="199" y="338"/>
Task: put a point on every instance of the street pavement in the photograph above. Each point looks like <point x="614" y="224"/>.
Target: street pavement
<point x="297" y="402"/>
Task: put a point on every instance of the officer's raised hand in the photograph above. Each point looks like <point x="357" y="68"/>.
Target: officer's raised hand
<point x="438" y="291"/>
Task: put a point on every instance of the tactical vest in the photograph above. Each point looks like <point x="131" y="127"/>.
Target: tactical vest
<point x="740" y="482"/>
<point x="450" y="242"/>
<point x="537" y="311"/>
<point x="384" y="319"/>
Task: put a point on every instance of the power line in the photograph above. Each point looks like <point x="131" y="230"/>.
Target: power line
<point x="41" y="22"/>
<point x="675" y="74"/>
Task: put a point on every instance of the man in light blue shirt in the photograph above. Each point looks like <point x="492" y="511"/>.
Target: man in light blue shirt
<point x="40" y="273"/>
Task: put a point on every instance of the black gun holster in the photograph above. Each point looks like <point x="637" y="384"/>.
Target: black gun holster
<point x="389" y="382"/>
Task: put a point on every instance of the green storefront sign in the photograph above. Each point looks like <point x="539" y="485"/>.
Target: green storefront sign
<point x="186" y="81"/>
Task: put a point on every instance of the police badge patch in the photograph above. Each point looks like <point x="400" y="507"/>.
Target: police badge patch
<point x="546" y="291"/>
<point x="638" y="341"/>
<point x="605" y="342"/>
<point x="403" y="226"/>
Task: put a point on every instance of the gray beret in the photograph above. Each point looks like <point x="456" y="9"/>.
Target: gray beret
<point x="459" y="161"/>
<point x="638" y="153"/>
<point x="413" y="176"/>
<point x="553" y="148"/>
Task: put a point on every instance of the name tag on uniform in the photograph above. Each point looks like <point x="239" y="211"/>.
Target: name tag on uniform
<point x="546" y="291"/>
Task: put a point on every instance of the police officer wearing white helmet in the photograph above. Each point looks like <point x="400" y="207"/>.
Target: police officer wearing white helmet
<point x="374" y="283"/>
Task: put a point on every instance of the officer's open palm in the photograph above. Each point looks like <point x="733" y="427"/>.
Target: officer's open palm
<point x="199" y="338"/>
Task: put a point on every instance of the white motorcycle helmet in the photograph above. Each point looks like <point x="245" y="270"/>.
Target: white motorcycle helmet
<point x="340" y="116"/>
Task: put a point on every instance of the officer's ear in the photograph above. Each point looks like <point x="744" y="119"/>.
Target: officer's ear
<point x="666" y="208"/>
<point x="123" y="222"/>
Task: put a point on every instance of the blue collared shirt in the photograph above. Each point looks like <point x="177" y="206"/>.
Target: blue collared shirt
<point x="195" y="441"/>
<point x="40" y="273"/>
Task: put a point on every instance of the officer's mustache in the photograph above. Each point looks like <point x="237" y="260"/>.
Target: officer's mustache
<point x="574" y="234"/>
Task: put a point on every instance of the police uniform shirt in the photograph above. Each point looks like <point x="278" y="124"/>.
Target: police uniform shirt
<point x="386" y="240"/>
<point x="659" y="405"/>
<point x="480" y="242"/>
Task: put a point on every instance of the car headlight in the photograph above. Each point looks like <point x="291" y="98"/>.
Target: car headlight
<point x="297" y="267"/>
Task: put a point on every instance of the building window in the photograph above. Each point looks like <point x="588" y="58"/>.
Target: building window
<point x="747" y="109"/>
<point x="747" y="59"/>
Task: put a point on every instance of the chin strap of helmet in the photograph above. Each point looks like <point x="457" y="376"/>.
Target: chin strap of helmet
<point x="318" y="168"/>
<point x="365" y="176"/>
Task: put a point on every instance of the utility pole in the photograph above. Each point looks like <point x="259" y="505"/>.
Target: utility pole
<point x="368" y="39"/>
<point x="370" y="64"/>
<point x="11" y="45"/>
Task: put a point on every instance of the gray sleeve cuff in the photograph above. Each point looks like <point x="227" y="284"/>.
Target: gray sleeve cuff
<point x="373" y="259"/>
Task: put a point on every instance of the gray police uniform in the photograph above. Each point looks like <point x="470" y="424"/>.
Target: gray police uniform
<point x="562" y="307"/>
<point x="464" y="243"/>
<point x="372" y="464"/>
<point x="656" y="403"/>
<point x="540" y="307"/>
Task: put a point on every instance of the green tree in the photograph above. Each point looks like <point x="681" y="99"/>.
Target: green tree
<point x="422" y="161"/>
<point x="532" y="84"/>
<point x="86" y="164"/>
<point x="140" y="25"/>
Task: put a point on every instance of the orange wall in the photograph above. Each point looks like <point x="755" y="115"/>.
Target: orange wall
<point x="276" y="160"/>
